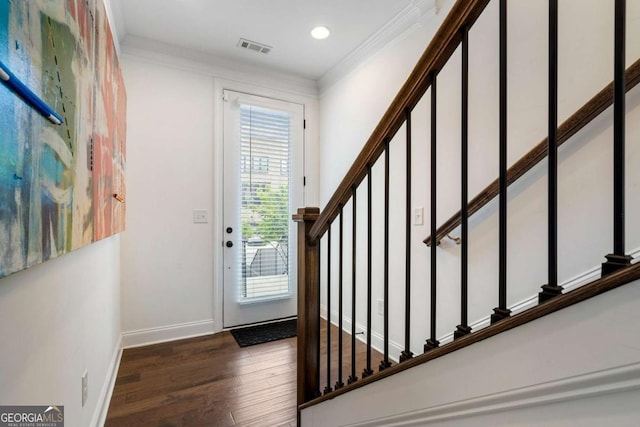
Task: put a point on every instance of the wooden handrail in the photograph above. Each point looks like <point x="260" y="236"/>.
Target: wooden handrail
<point x="569" y="128"/>
<point x="463" y="14"/>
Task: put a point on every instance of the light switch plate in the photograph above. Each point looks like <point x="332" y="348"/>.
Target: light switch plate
<point x="418" y="216"/>
<point x="200" y="216"/>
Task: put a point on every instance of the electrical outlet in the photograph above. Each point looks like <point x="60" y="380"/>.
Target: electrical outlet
<point x="200" y="216"/>
<point x="381" y="307"/>
<point x="85" y="387"/>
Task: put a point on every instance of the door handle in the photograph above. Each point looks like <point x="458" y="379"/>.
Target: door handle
<point x="229" y="244"/>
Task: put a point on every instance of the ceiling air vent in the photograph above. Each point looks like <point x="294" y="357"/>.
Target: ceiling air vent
<point x="254" y="46"/>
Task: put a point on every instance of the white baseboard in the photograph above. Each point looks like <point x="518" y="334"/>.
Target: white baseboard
<point x="377" y="339"/>
<point x="100" y="413"/>
<point x="593" y="384"/>
<point x="142" y="337"/>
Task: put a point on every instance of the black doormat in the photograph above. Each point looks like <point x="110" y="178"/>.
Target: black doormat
<point x="265" y="333"/>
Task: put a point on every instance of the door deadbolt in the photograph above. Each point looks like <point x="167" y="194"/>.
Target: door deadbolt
<point x="229" y="230"/>
<point x="229" y="244"/>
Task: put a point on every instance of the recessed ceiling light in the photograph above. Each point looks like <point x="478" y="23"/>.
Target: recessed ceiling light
<point x="320" y="32"/>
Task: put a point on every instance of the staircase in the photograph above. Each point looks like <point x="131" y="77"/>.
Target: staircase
<point x="361" y="270"/>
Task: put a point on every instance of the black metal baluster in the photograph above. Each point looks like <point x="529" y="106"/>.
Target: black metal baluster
<point x="551" y="289"/>
<point x="353" y="378"/>
<point x="463" y="328"/>
<point x="327" y="388"/>
<point x="367" y="370"/>
<point x="618" y="259"/>
<point x="407" y="354"/>
<point x="339" y="382"/>
<point x="502" y="312"/>
<point x="319" y="330"/>
<point x="432" y="342"/>
<point x="385" y="363"/>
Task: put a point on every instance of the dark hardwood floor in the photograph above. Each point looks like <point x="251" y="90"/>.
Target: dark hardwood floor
<point x="211" y="381"/>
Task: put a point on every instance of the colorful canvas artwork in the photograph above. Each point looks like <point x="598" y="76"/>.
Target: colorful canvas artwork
<point x="61" y="186"/>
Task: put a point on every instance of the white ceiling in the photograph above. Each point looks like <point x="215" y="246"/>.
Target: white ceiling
<point x="215" y="26"/>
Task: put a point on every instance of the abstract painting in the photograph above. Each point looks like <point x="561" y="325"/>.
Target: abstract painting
<point x="61" y="186"/>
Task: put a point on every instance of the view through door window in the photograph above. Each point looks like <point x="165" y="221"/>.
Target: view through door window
<point x="265" y="181"/>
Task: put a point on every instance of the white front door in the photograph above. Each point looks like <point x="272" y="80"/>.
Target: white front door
<point x="263" y="185"/>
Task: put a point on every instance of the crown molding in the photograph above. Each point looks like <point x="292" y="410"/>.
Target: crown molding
<point x="416" y="13"/>
<point x="189" y="60"/>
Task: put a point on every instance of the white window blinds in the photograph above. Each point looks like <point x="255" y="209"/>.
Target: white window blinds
<point x="265" y="157"/>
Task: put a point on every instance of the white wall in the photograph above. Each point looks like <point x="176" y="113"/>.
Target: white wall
<point x="172" y="268"/>
<point x="577" y="367"/>
<point x="167" y="260"/>
<point x="57" y="320"/>
<point x="351" y="109"/>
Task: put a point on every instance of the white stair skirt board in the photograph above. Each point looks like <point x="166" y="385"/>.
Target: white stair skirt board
<point x="142" y="337"/>
<point x="596" y="384"/>
<point x="579" y="366"/>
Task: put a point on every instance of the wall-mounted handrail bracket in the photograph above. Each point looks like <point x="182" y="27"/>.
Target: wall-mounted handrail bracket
<point x="456" y="239"/>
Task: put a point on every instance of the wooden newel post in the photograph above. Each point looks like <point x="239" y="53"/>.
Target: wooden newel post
<point x="308" y="306"/>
